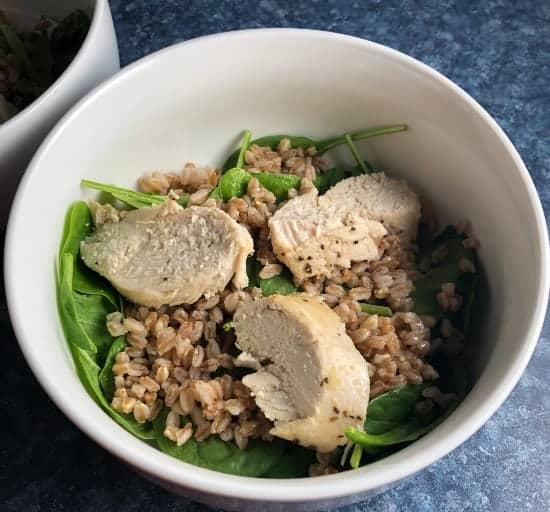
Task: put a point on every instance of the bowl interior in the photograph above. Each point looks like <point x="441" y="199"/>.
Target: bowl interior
<point x="190" y="103"/>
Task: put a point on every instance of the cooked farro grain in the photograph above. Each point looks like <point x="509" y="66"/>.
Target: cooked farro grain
<point x="470" y="243"/>
<point x="270" y="270"/>
<point x="177" y="374"/>
<point x="288" y="160"/>
<point x="114" y="324"/>
<point x="103" y="213"/>
<point x="466" y="265"/>
<point x="440" y="254"/>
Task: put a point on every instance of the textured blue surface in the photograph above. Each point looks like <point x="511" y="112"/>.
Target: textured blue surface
<point x="499" y="52"/>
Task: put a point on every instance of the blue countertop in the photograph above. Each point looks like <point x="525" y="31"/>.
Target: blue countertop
<point x="499" y="52"/>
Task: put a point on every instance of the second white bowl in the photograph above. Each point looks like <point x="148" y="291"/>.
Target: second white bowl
<point x="96" y="60"/>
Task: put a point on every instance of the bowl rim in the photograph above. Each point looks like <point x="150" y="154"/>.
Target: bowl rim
<point x="367" y="478"/>
<point x="100" y="8"/>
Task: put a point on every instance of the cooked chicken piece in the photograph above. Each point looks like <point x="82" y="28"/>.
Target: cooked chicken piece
<point x="313" y="383"/>
<point x="311" y="238"/>
<point x="313" y="234"/>
<point x="378" y="197"/>
<point x="169" y="255"/>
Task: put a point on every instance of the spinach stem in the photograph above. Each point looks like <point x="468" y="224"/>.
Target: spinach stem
<point x="113" y="189"/>
<point x="244" y="146"/>
<point x="373" y="309"/>
<point x="324" y="145"/>
<point x="356" y="455"/>
<point x="355" y="153"/>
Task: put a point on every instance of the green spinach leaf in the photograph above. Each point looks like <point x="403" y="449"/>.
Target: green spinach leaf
<point x="329" y="178"/>
<point x="279" y="184"/>
<point x="83" y="320"/>
<point x="91" y="311"/>
<point x="106" y="377"/>
<point x="68" y="309"/>
<point x="388" y="410"/>
<point x="83" y="316"/>
<point x="78" y="223"/>
<point x="89" y="283"/>
<point x="213" y="453"/>
<point x="293" y="464"/>
<point x="332" y="176"/>
<point x="466" y="286"/>
<point x="429" y="285"/>
<point x="409" y="430"/>
<point x="233" y="183"/>
<point x="282" y="284"/>
<point x="88" y="372"/>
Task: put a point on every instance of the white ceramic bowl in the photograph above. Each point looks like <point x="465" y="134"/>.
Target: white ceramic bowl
<point x="190" y="102"/>
<point x="96" y="61"/>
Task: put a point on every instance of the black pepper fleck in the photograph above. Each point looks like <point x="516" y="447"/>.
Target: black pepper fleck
<point x="335" y="409"/>
<point x="356" y="241"/>
<point x="338" y="254"/>
<point x="300" y="258"/>
<point x="323" y="247"/>
<point x="307" y="268"/>
<point x="353" y="228"/>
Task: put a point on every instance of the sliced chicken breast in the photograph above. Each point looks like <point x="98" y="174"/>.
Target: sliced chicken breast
<point x="380" y="198"/>
<point x="169" y="255"/>
<point x="312" y="238"/>
<point x="312" y="382"/>
<point x="312" y="235"/>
